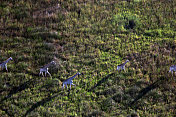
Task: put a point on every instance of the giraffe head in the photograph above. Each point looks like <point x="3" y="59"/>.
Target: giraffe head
<point x="78" y="73"/>
<point x="10" y="58"/>
<point x="57" y="6"/>
<point x="127" y="60"/>
<point x="53" y="62"/>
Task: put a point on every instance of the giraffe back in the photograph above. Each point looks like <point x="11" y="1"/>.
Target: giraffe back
<point x="173" y="68"/>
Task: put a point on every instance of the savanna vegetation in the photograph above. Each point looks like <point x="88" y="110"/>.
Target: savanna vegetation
<point x="91" y="37"/>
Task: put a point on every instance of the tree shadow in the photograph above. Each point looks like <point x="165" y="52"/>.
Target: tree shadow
<point x="101" y="81"/>
<point x="144" y="91"/>
<point x="16" y="89"/>
<point x="40" y="103"/>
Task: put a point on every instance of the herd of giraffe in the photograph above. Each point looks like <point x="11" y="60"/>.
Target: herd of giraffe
<point x="69" y="81"/>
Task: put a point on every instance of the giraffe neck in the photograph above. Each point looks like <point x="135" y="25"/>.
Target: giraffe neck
<point x="125" y="62"/>
<point x="73" y="76"/>
<point x="48" y="65"/>
<point x="7" y="60"/>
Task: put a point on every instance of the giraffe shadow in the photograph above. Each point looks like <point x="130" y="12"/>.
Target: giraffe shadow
<point x="4" y="70"/>
<point x="6" y="111"/>
<point x="40" y="103"/>
<point x="7" y="85"/>
<point x="101" y="81"/>
<point x="31" y="73"/>
<point x="17" y="89"/>
<point x="1" y="90"/>
<point x="144" y="91"/>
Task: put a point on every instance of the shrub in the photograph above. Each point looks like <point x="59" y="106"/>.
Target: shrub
<point x="97" y="113"/>
<point x="125" y="20"/>
<point x="21" y="12"/>
<point x="108" y="104"/>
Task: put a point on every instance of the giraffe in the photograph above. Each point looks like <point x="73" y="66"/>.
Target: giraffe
<point x="172" y="68"/>
<point x="4" y="64"/>
<point x="70" y="80"/>
<point x="45" y="69"/>
<point x="122" y="66"/>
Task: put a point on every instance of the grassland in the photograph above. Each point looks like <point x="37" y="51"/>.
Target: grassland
<point x="91" y="37"/>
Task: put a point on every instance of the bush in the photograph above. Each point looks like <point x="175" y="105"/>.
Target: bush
<point x="41" y="32"/>
<point x="108" y="104"/>
<point x="21" y="12"/>
<point x="97" y="113"/>
<point x="125" y="20"/>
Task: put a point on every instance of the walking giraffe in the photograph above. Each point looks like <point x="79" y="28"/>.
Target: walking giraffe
<point x="70" y="80"/>
<point x="45" y="69"/>
<point x="4" y="64"/>
<point x="172" y="68"/>
<point x="122" y="66"/>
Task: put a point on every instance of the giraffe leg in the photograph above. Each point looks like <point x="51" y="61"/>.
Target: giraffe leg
<point x="117" y="69"/>
<point x="73" y="84"/>
<point x="42" y="74"/>
<point x="70" y="86"/>
<point x="45" y="74"/>
<point x="49" y="73"/>
<point x="6" y="68"/>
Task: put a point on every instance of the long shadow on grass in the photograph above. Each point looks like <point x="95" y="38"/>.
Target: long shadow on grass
<point x="40" y="103"/>
<point x="1" y="90"/>
<point x="101" y="81"/>
<point x="144" y="91"/>
<point x="31" y="73"/>
<point x="6" y="111"/>
<point x="15" y="90"/>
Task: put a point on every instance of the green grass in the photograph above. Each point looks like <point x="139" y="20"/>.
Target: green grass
<point x="92" y="41"/>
